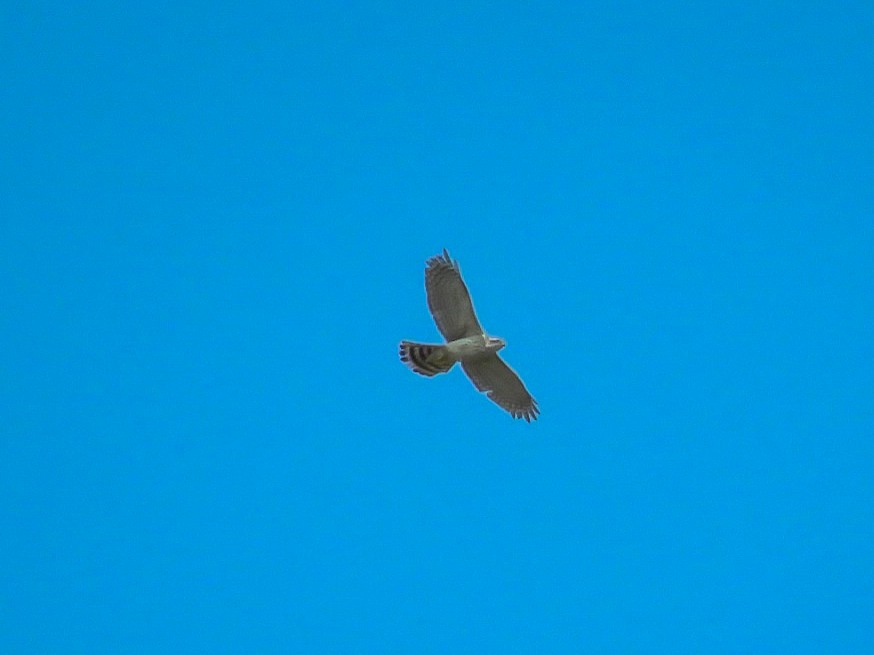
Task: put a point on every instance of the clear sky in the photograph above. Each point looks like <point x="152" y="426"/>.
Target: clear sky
<point x="214" y="219"/>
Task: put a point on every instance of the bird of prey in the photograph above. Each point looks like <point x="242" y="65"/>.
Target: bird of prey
<point x="466" y="342"/>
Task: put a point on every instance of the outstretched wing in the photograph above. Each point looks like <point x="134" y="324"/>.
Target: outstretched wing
<point x="449" y="300"/>
<point x="492" y="375"/>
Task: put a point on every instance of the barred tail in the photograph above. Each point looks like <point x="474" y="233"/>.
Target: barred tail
<point x="425" y="358"/>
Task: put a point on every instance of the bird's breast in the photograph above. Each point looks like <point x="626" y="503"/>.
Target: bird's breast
<point x="467" y="347"/>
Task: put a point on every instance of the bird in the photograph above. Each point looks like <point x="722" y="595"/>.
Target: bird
<point x="466" y="342"/>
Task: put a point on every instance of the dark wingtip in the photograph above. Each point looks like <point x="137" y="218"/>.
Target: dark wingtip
<point x="529" y="413"/>
<point x="442" y="259"/>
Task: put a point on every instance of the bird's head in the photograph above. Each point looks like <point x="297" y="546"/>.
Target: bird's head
<point x="494" y="344"/>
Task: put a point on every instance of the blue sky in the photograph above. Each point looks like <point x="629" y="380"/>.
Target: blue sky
<point x="213" y="226"/>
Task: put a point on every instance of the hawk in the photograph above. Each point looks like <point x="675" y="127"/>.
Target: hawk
<point x="466" y="342"/>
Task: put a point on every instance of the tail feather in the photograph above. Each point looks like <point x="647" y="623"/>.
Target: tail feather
<point x="425" y="358"/>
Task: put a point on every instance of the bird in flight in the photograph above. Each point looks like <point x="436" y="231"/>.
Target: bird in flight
<point x="466" y="342"/>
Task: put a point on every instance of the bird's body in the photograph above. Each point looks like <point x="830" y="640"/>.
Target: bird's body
<point x="432" y="358"/>
<point x="470" y="347"/>
<point x="466" y="342"/>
